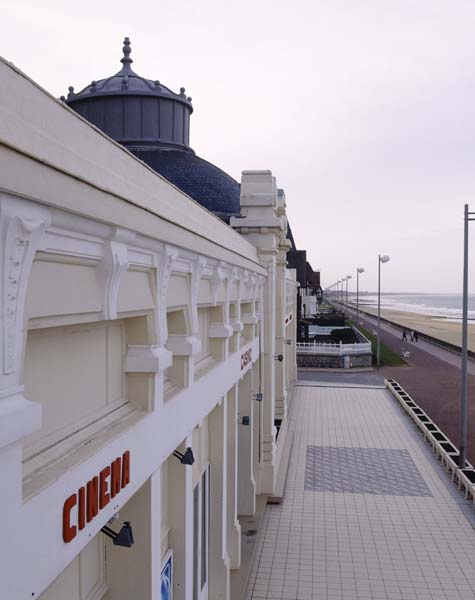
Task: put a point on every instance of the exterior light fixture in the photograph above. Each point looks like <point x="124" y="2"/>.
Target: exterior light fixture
<point x="279" y="357"/>
<point x="259" y="397"/>
<point x="382" y="258"/>
<point x="124" y="538"/>
<point x="288" y="342"/>
<point x="245" y="420"/>
<point x="359" y="270"/>
<point x="346" y="278"/>
<point x="185" y="459"/>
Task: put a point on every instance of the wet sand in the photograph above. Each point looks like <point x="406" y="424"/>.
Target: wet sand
<point x="437" y="327"/>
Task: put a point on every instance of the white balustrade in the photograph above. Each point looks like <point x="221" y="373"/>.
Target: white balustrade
<point x="333" y="349"/>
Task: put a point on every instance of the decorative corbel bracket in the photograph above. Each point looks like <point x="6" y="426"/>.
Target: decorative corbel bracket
<point x="165" y="262"/>
<point x="219" y="275"/>
<point x="197" y="269"/>
<point x="236" y="322"/>
<point x="22" y="227"/>
<point x="247" y="283"/>
<point x="114" y="264"/>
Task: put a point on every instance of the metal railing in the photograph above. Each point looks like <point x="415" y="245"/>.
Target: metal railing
<point x="333" y="349"/>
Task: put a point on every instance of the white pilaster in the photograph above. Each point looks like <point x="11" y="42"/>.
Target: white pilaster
<point x="246" y="484"/>
<point x="233" y="526"/>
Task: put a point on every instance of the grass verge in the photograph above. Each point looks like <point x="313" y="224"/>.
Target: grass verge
<point x="388" y="357"/>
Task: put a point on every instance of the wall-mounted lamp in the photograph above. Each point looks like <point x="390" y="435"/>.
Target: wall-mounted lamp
<point x="288" y="342"/>
<point x="245" y="421"/>
<point x="124" y="538"/>
<point x="259" y="397"/>
<point x="279" y="357"/>
<point x="185" y="459"/>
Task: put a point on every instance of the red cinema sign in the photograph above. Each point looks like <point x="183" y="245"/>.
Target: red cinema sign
<point x="95" y="495"/>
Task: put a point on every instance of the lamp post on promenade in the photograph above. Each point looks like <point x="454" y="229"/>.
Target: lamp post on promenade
<point x="384" y="258"/>
<point x="342" y="291"/>
<point x="347" y="277"/>
<point x="358" y="271"/>
<point x="463" y="407"/>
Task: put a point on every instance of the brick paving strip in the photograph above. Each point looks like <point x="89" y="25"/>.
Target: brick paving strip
<point x="432" y="382"/>
<point x="345" y="530"/>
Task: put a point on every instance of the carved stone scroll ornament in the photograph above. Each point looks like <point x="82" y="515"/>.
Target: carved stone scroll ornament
<point x="22" y="225"/>
<point x="114" y="264"/>
<point x="22" y="228"/>
<point x="219" y="275"/>
<point x="247" y="282"/>
<point x="165" y="262"/>
<point x="197" y="269"/>
<point x="237" y="276"/>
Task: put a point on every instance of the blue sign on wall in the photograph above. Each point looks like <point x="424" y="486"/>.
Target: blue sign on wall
<point x="166" y="579"/>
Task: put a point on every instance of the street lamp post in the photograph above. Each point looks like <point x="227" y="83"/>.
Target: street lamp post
<point x="342" y="291"/>
<point x="463" y="407"/>
<point x="347" y="277"/>
<point x="384" y="258"/>
<point x="358" y="271"/>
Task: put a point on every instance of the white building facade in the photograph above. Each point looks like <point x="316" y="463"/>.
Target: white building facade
<point x="135" y="324"/>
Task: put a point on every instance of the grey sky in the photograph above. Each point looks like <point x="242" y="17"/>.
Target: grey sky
<point x="364" y="110"/>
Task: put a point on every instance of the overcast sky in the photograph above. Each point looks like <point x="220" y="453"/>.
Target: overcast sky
<point x="363" y="110"/>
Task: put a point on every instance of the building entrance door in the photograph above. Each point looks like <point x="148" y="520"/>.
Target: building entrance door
<point x="201" y="538"/>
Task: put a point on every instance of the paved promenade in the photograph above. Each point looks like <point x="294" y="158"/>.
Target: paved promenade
<point x="433" y="378"/>
<point x="368" y="512"/>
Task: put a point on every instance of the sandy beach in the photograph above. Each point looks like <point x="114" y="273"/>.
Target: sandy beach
<point x="437" y="327"/>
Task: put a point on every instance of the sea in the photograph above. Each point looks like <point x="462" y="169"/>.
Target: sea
<point x="443" y="306"/>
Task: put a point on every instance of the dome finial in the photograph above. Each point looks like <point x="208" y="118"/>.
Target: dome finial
<point x="126" y="49"/>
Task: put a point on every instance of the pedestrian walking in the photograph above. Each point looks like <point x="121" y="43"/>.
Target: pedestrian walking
<point x="404" y="335"/>
<point x="412" y="335"/>
<point x="416" y="336"/>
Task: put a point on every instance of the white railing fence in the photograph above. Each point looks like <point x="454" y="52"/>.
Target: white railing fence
<point x="333" y="349"/>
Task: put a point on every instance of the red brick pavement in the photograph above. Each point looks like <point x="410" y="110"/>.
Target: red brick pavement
<point x="434" y="385"/>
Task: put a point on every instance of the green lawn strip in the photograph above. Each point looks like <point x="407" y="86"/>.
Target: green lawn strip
<point x="388" y="357"/>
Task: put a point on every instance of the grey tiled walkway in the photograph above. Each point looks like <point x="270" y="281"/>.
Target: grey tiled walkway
<point x="343" y="534"/>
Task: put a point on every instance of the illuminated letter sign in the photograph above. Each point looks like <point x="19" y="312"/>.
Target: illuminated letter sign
<point x="95" y="496"/>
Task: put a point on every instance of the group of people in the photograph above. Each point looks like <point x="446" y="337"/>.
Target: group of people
<point x="414" y="336"/>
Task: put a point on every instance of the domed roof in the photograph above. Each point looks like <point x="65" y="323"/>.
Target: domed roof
<point x="126" y="82"/>
<point x="201" y="180"/>
<point x="154" y="124"/>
